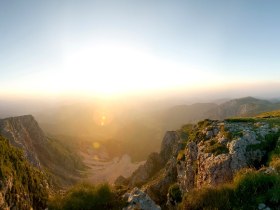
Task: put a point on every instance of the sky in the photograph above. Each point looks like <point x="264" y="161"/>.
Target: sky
<point x="117" y="47"/>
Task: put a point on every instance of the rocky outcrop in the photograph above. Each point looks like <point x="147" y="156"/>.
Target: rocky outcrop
<point x="137" y="199"/>
<point x="247" y="106"/>
<point x="158" y="187"/>
<point x="159" y="171"/>
<point x="22" y="186"/>
<point x="41" y="151"/>
<point x="219" y="149"/>
<point x="24" y="132"/>
<point x="155" y="161"/>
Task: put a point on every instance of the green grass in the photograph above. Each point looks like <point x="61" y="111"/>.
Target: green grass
<point x="216" y="148"/>
<point x="270" y="144"/>
<point x="181" y="155"/>
<point x="28" y="184"/>
<point x="241" y="120"/>
<point x="87" y="197"/>
<point x="271" y="114"/>
<point x="246" y="192"/>
<point x="175" y="193"/>
<point x="184" y="131"/>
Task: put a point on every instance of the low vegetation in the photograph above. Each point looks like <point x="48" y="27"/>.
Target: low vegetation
<point x="216" y="148"/>
<point x="175" y="193"/>
<point x="87" y="197"/>
<point x="28" y="186"/>
<point x="246" y="192"/>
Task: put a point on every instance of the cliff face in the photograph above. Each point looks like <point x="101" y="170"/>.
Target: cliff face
<point x="41" y="151"/>
<point x="156" y="161"/>
<point x="22" y="186"/>
<point x="207" y="154"/>
<point x="159" y="171"/>
<point x="220" y="148"/>
<point x="24" y="132"/>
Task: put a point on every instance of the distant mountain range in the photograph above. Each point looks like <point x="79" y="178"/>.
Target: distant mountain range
<point x="136" y="131"/>
<point x="136" y="134"/>
<point x="242" y="107"/>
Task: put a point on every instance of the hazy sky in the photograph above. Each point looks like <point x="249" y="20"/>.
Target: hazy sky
<point x="108" y="47"/>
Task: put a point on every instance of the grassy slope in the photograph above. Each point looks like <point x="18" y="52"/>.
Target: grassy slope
<point x="29" y="188"/>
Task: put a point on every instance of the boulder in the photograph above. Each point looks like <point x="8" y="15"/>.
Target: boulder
<point x="137" y="199"/>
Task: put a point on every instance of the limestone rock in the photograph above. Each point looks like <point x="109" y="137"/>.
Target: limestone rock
<point x="157" y="189"/>
<point x="214" y="156"/>
<point x="137" y="199"/>
<point x="24" y="132"/>
<point x="155" y="161"/>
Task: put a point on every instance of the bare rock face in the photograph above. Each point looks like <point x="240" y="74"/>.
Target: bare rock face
<point x="220" y="149"/>
<point x="155" y="161"/>
<point x="169" y="145"/>
<point x="153" y="164"/>
<point x="137" y="199"/>
<point x="213" y="170"/>
<point x="157" y="189"/>
<point x="24" y="132"/>
<point x="187" y="169"/>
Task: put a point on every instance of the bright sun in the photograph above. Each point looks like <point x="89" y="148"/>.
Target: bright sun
<point x="112" y="69"/>
<point x="117" y="68"/>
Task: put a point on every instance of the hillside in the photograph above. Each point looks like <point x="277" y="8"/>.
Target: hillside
<point x="242" y="107"/>
<point x="138" y="130"/>
<point x="178" y="115"/>
<point x="22" y="186"/>
<point x="46" y="153"/>
<point x="215" y="165"/>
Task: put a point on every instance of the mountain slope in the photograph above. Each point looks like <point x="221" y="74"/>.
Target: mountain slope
<point x="22" y="186"/>
<point x="24" y="132"/>
<point x="43" y="152"/>
<point x="210" y="154"/>
<point x="178" y="115"/>
<point x="242" y="107"/>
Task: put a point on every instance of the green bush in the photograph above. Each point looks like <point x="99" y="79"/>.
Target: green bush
<point x="246" y="192"/>
<point x="254" y="188"/>
<point x="270" y="145"/>
<point x="216" y="148"/>
<point x="29" y="187"/>
<point x="87" y="197"/>
<point x="209" y="198"/>
<point x="175" y="193"/>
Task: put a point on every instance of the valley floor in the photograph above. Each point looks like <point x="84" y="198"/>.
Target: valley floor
<point x="102" y="169"/>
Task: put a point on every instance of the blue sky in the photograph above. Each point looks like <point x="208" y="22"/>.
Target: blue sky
<point x="221" y="41"/>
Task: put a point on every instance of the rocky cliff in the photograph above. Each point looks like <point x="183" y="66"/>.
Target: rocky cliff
<point x="207" y="154"/>
<point x="41" y="151"/>
<point x="216" y="150"/>
<point x="24" y="132"/>
<point x="22" y="186"/>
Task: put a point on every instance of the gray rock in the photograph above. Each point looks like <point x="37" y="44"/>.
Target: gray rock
<point x="155" y="161"/>
<point x="24" y="132"/>
<point x="202" y="168"/>
<point x="261" y="206"/>
<point x="137" y="199"/>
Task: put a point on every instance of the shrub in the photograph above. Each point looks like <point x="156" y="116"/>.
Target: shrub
<point x="175" y="193"/>
<point x="254" y="188"/>
<point x="209" y="198"/>
<point x="217" y="149"/>
<point x="181" y="155"/>
<point x="184" y="131"/>
<point x="28" y="187"/>
<point x="248" y="190"/>
<point x="86" y="196"/>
